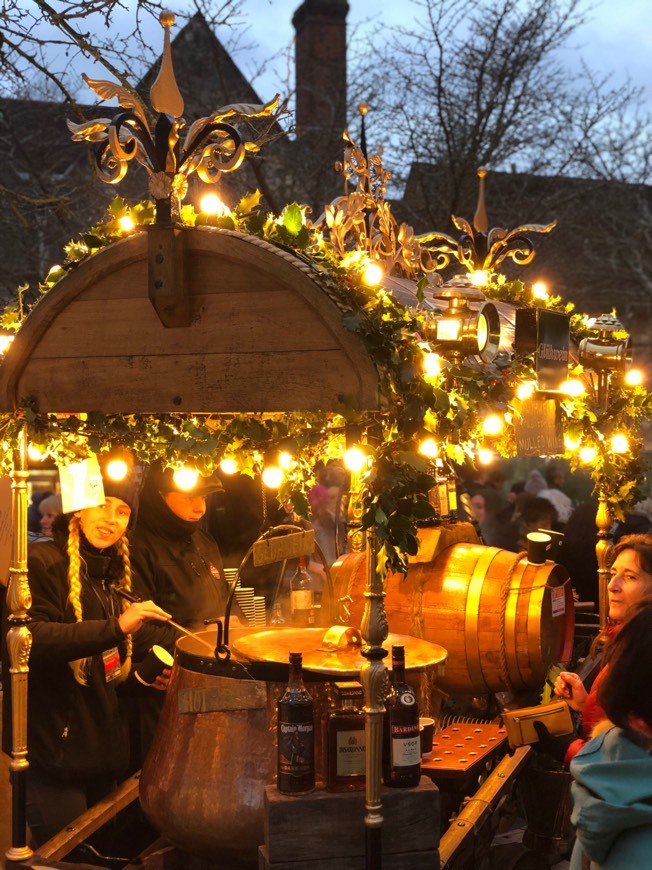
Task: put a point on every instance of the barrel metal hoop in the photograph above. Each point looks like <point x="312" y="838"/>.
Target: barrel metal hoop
<point x="472" y="616"/>
<point x="504" y="595"/>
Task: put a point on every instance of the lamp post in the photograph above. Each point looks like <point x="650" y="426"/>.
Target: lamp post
<point x="607" y="351"/>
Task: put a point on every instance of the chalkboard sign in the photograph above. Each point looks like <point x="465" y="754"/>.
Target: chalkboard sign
<point x="538" y="430"/>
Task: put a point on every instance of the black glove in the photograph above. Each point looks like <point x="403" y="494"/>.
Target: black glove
<point x="553" y="746"/>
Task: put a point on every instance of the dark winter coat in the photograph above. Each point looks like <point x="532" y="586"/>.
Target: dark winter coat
<point x="176" y="565"/>
<point x="75" y="732"/>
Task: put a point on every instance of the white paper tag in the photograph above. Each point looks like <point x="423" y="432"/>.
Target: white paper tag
<point x="558" y="600"/>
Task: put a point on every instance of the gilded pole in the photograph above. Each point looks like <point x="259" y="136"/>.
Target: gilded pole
<point x="19" y="643"/>
<point x="373" y="676"/>
<point x="603" y="550"/>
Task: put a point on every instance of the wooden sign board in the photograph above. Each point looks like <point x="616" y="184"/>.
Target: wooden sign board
<point x="538" y="431"/>
<point x="282" y="547"/>
<point x="5" y="529"/>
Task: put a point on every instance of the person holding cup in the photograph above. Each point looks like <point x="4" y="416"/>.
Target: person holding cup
<point x="80" y="659"/>
<point x="631" y="581"/>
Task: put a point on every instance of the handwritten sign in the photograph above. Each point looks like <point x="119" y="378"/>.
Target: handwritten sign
<point x="538" y="431"/>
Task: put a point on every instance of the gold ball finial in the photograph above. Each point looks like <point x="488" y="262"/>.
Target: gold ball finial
<point x="482" y="172"/>
<point x="167" y="18"/>
<point x="363" y="108"/>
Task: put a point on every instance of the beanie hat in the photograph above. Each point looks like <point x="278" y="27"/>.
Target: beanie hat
<point x="125" y="489"/>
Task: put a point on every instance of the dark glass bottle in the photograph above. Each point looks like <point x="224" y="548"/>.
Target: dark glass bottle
<point x="345" y="740"/>
<point x="402" y="743"/>
<point x="302" y="596"/>
<point x="296" y="737"/>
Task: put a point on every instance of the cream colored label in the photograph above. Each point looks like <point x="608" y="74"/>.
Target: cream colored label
<point x="350" y="753"/>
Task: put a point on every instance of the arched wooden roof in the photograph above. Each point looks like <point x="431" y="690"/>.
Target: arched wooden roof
<point x="262" y="336"/>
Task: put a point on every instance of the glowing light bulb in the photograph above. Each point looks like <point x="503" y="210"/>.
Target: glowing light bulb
<point x="126" y="223"/>
<point x="354" y="459"/>
<point x="485" y="456"/>
<point x="185" y="478"/>
<point x="431" y="364"/>
<point x="525" y="390"/>
<point x="5" y="342"/>
<point x="573" y="388"/>
<point x="620" y="443"/>
<point x="588" y="454"/>
<point x="117" y="469"/>
<point x="372" y="274"/>
<point x="480" y="278"/>
<point x="228" y="465"/>
<point x="571" y="444"/>
<point x="285" y="459"/>
<point x="210" y="203"/>
<point x="634" y="377"/>
<point x="429" y="448"/>
<point x="273" y="476"/>
<point x="539" y="290"/>
<point x="36" y="453"/>
<point x="493" y="424"/>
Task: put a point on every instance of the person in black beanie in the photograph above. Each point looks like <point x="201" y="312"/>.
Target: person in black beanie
<point x="178" y="565"/>
<point x="80" y="658"/>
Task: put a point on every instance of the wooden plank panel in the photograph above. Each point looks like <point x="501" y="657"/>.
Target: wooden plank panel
<point x="234" y="322"/>
<point x="218" y="383"/>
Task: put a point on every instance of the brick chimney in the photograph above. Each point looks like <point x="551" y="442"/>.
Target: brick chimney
<point x="320" y="63"/>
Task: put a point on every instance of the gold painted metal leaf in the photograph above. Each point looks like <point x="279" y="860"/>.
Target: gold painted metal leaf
<point x="109" y="90"/>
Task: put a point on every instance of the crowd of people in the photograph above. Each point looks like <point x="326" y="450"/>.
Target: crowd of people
<point x="111" y="580"/>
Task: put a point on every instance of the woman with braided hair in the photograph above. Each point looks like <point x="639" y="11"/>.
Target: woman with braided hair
<point x="81" y="655"/>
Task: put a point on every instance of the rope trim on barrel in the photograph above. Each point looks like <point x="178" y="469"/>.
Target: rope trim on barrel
<point x="504" y="593"/>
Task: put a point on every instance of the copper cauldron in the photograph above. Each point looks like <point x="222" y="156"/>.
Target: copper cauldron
<point x="202" y="784"/>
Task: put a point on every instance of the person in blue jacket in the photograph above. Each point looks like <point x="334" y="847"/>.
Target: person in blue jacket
<point x="612" y="791"/>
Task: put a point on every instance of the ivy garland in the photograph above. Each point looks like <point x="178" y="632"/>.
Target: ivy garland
<point x="449" y="406"/>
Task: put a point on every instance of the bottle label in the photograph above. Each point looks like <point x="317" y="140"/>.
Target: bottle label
<point x="406" y="745"/>
<point x="351" y="753"/>
<point x="296" y="750"/>
<point x="301" y="599"/>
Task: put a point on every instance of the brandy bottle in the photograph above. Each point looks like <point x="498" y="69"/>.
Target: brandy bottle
<point x="296" y="739"/>
<point x="345" y="740"/>
<point x="302" y="597"/>
<point x="402" y="742"/>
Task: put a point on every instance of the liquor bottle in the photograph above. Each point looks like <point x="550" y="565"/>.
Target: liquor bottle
<point x="296" y="737"/>
<point x="345" y="740"/>
<point x="277" y="617"/>
<point x="402" y="743"/>
<point x="302" y="596"/>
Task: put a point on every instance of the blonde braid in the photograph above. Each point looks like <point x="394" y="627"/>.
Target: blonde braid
<point x="80" y="667"/>
<point x="123" y="549"/>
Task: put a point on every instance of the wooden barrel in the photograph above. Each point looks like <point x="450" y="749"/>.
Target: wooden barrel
<point x="502" y="620"/>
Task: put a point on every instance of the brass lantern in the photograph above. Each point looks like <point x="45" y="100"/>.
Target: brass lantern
<point x="609" y="350"/>
<point x="462" y="331"/>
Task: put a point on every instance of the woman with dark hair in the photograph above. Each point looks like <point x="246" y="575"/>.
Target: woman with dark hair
<point x="631" y="581"/>
<point x="612" y="792"/>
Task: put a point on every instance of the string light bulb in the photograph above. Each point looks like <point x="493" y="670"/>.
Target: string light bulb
<point x="116" y="469"/>
<point x="525" y="390"/>
<point x="485" y="456"/>
<point x="210" y="203"/>
<point x="36" y="453"/>
<point x="429" y="448"/>
<point x="493" y="424"/>
<point x="431" y="364"/>
<point x="126" y="223"/>
<point x="354" y="459"/>
<point x="185" y="478"/>
<point x="228" y="465"/>
<point x="620" y="443"/>
<point x="573" y="388"/>
<point x="539" y="290"/>
<point x="273" y="476"/>
<point x="372" y="274"/>
<point x="284" y="459"/>
<point x="588" y="454"/>
<point x="634" y="378"/>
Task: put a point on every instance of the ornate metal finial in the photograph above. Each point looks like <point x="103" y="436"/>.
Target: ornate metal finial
<point x="164" y="94"/>
<point x="363" y="109"/>
<point x="209" y="148"/>
<point x="362" y="221"/>
<point x="479" y="248"/>
<point x="480" y="220"/>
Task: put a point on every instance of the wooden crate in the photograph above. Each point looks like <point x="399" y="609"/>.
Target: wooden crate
<point x="324" y="831"/>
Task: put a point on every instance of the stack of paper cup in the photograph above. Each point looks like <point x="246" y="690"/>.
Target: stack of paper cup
<point x="260" y="616"/>
<point x="245" y="598"/>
